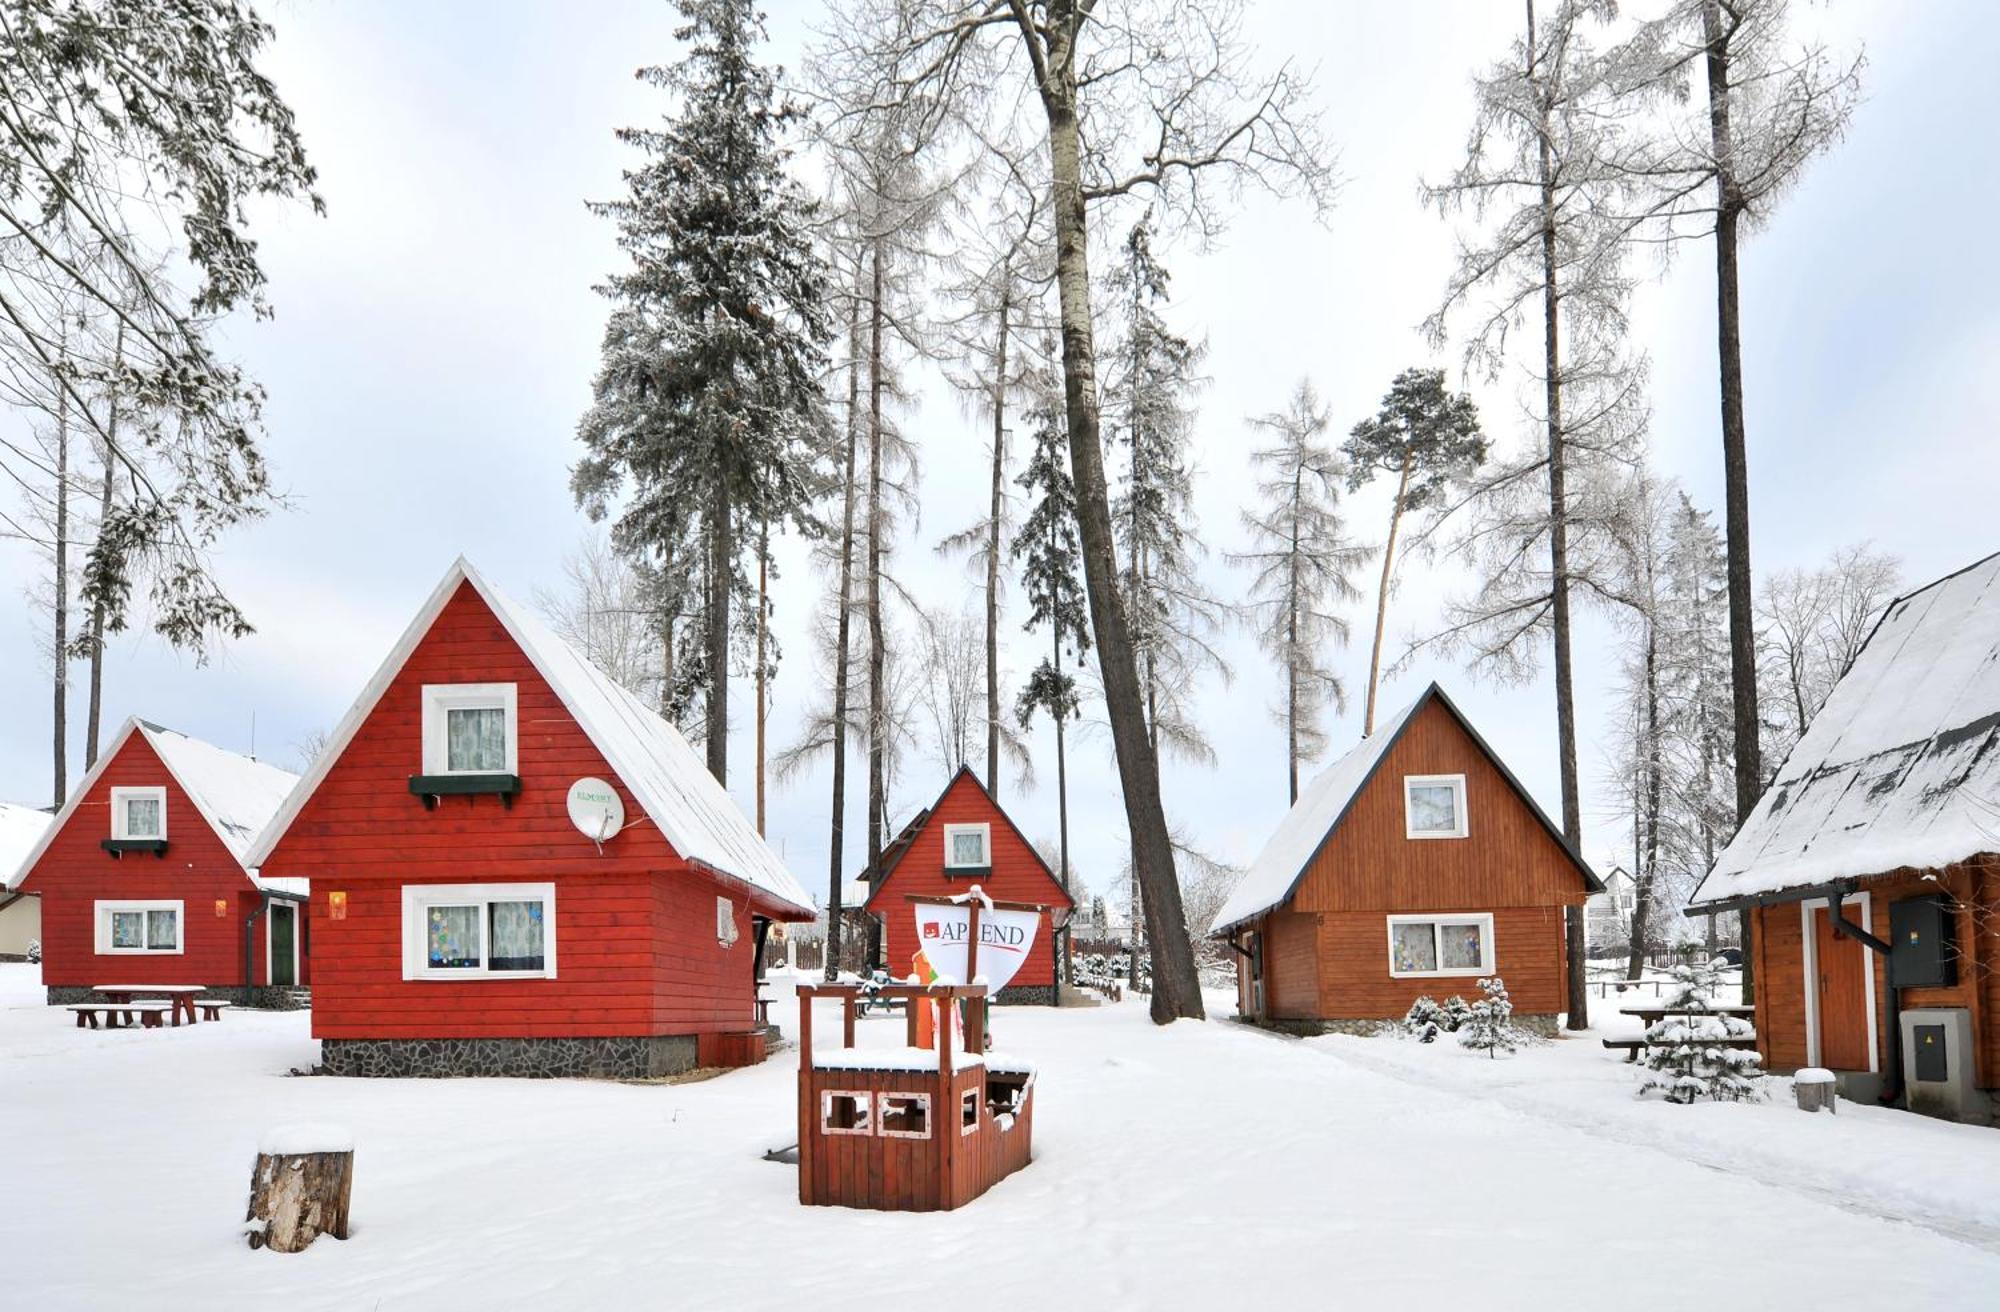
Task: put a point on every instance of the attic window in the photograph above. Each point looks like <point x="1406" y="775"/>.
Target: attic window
<point x="968" y="848"/>
<point x="139" y="814"/>
<point x="1434" y="806"/>
<point x="470" y="729"/>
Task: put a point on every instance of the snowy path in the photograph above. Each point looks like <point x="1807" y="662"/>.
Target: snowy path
<point x="1189" y="1166"/>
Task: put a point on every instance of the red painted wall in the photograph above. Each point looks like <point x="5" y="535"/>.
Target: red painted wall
<point x="1017" y="876"/>
<point x="74" y="873"/>
<point x="636" y="951"/>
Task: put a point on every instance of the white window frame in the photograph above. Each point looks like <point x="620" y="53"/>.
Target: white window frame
<point x="1457" y="784"/>
<point x="418" y="899"/>
<point x="922" y="1100"/>
<point x="121" y="828"/>
<point x="440" y="698"/>
<point x="101" y="914"/>
<point x="1484" y="919"/>
<point x="985" y="832"/>
<point x="864" y="1102"/>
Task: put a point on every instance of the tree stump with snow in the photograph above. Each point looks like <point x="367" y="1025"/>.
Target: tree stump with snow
<point x="1815" y="1089"/>
<point x="300" y="1187"/>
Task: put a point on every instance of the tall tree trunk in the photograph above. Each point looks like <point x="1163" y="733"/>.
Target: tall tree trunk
<point x="763" y="690"/>
<point x="1735" y="458"/>
<point x="842" y="625"/>
<point x="1382" y="595"/>
<point x="1062" y="790"/>
<point x="95" y="715"/>
<point x="60" y="680"/>
<point x="993" y="538"/>
<point x="720" y="555"/>
<point x="1572" y="807"/>
<point x="1645" y="876"/>
<point x="1292" y="648"/>
<point x="1176" y="985"/>
<point x="878" y="712"/>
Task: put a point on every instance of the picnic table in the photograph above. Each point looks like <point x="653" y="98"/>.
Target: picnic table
<point x="1651" y="1016"/>
<point x="180" y="996"/>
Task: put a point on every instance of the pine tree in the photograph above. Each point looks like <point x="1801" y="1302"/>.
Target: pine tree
<point x="706" y="417"/>
<point x="1488" y="1026"/>
<point x="1302" y="561"/>
<point x="1428" y="438"/>
<point x="1172" y="616"/>
<point x="1689" y="1056"/>
<point x="1049" y="553"/>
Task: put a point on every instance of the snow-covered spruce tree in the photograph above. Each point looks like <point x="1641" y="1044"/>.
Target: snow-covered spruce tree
<point x="1150" y="411"/>
<point x="1549" y="173"/>
<point x="99" y="100"/>
<point x="1302" y="563"/>
<point x="1427" y="438"/>
<point x="706" y="420"/>
<point x="1424" y="1021"/>
<point x="1047" y="549"/>
<point x="1488" y="1026"/>
<point x="1685" y="1057"/>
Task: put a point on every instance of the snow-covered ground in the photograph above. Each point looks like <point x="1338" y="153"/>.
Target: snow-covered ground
<point x="1174" y="1168"/>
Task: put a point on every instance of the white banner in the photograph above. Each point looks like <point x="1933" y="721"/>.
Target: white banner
<point x="1004" y="940"/>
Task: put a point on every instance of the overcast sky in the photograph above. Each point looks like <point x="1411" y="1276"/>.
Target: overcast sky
<point x="436" y="333"/>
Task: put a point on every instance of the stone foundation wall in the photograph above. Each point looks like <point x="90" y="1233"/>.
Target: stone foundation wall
<point x="635" y="1057"/>
<point x="1543" y="1024"/>
<point x="1036" y="995"/>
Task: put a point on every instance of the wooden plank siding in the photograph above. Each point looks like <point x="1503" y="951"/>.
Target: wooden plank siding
<point x="74" y="873"/>
<point x="634" y="932"/>
<point x="1781" y="982"/>
<point x="1018" y="875"/>
<point x="1326" y="953"/>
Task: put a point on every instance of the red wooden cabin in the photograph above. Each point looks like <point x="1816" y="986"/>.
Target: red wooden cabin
<point x="1414" y="865"/>
<point x="908" y="1129"/>
<point x="464" y="923"/>
<point x="1869" y="872"/>
<point x="965" y="838"/>
<point x="144" y="875"/>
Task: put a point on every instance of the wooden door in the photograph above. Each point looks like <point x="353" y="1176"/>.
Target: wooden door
<point x="283" y="939"/>
<point x="1839" y="966"/>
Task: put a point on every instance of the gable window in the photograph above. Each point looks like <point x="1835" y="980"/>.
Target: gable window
<point x="470" y="728"/>
<point x="968" y="848"/>
<point x="139" y="814"/>
<point x="138" y="928"/>
<point x="479" y="931"/>
<point x="1440" y="945"/>
<point x="1434" y="806"/>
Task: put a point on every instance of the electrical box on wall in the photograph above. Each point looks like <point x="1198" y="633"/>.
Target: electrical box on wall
<point x="1922" y="951"/>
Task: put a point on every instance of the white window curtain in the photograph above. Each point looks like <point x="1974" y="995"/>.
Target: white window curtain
<point x="163" y="930"/>
<point x="476" y="738"/>
<point x="1415" y="947"/>
<point x="1459" y="947"/>
<point x="1433" y="808"/>
<point x="968" y="849"/>
<point x="517" y="936"/>
<point x="451" y="938"/>
<point x="128" y="929"/>
<point x="142" y="817"/>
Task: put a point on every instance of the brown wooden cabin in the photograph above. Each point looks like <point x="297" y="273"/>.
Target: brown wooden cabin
<point x="1869" y="872"/>
<point x="1415" y="865"/>
<point x="908" y="1129"/>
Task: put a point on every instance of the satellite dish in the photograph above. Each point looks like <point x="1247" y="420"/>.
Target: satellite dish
<point x="596" y="809"/>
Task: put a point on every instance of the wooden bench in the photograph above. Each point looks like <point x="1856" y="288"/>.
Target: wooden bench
<point x="119" y="1015"/>
<point x="211" y="1008"/>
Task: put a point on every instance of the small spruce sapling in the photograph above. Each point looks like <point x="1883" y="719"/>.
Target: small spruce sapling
<point x="1489" y="1026"/>
<point x="1455" y="1012"/>
<point x="1425" y="1020"/>
<point x="1687" y="1057"/>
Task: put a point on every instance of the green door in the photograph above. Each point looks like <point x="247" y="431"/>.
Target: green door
<point x="284" y="967"/>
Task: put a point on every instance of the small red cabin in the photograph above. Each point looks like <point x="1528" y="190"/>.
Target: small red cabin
<point x="145" y="879"/>
<point x="519" y="868"/>
<point x="1414" y="865"/>
<point x="965" y="838"/>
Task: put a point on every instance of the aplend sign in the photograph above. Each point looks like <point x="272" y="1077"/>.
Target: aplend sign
<point x="1004" y="939"/>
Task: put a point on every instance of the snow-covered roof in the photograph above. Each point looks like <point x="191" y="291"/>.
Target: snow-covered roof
<point x="237" y="795"/>
<point x="671" y="784"/>
<point x="1901" y="767"/>
<point x="1271" y="877"/>
<point x="1322" y="804"/>
<point x="21" y="830"/>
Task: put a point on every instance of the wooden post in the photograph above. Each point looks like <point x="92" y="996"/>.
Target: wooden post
<point x="295" y="1197"/>
<point x="847" y="1020"/>
<point x="806" y="1110"/>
